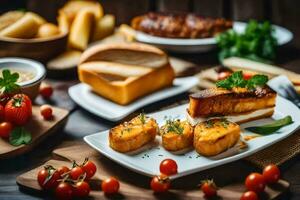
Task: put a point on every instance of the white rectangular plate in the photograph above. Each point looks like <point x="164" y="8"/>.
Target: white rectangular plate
<point x="83" y="96"/>
<point x="147" y="162"/>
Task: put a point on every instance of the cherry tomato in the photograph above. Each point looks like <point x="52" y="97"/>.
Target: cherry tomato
<point x="81" y="189"/>
<point x="110" y="186"/>
<point x="62" y="170"/>
<point x="76" y="172"/>
<point x="1" y="113"/>
<point x="18" y="110"/>
<point x="64" y="191"/>
<point x="160" y="183"/>
<point x="209" y="188"/>
<point x="271" y="174"/>
<point x="223" y="75"/>
<point x="46" y="112"/>
<point x="247" y="76"/>
<point x="90" y="169"/>
<point x="168" y="167"/>
<point x="46" y="90"/>
<point x="255" y="182"/>
<point x="47" y="178"/>
<point x="5" y="129"/>
<point x="250" y="195"/>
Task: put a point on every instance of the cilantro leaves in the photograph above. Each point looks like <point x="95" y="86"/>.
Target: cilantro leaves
<point x="236" y="80"/>
<point x="8" y="81"/>
<point x="20" y="136"/>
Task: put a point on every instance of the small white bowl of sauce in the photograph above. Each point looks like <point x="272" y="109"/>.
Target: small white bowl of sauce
<point x="31" y="73"/>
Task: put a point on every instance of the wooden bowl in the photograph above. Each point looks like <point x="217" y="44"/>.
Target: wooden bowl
<point x="41" y="49"/>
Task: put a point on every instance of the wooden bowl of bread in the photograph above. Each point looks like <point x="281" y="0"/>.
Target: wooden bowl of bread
<point x="26" y="34"/>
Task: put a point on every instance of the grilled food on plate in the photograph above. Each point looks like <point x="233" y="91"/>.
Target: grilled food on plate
<point x="125" y="72"/>
<point x="134" y="134"/>
<point x="176" y="135"/>
<point x="238" y="99"/>
<point x="215" y="136"/>
<point x="180" y="25"/>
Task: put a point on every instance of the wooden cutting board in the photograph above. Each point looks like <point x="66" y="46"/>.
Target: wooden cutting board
<point x="228" y="177"/>
<point x="39" y="129"/>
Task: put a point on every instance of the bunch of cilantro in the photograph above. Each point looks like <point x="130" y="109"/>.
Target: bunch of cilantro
<point x="256" y="43"/>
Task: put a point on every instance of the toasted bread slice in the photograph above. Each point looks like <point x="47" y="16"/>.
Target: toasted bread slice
<point x="177" y="135"/>
<point x="134" y="134"/>
<point x="215" y="136"/>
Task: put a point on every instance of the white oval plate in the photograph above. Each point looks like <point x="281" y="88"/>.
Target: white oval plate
<point x="147" y="162"/>
<point x="83" y="96"/>
<point x="202" y="45"/>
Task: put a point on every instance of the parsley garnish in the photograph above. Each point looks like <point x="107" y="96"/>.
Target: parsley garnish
<point x="19" y="136"/>
<point x="8" y="81"/>
<point x="209" y="124"/>
<point x="236" y="80"/>
<point x="142" y="118"/>
<point x="174" y="126"/>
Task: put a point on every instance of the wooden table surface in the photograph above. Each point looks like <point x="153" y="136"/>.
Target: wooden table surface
<point x="82" y="123"/>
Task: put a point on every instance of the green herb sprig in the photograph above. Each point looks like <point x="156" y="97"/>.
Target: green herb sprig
<point x="174" y="126"/>
<point x="8" y="81"/>
<point x="236" y="80"/>
<point x="256" y="43"/>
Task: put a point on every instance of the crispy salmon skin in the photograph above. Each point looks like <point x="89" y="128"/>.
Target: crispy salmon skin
<point x="218" y="101"/>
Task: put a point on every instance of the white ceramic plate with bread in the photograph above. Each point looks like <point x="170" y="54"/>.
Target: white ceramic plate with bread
<point x="102" y="107"/>
<point x="147" y="161"/>
<point x="283" y="36"/>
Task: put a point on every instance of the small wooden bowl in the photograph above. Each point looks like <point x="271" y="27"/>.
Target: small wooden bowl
<point x="41" y="49"/>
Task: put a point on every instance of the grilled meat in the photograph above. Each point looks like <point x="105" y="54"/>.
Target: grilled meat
<point x="180" y="25"/>
<point x="218" y="101"/>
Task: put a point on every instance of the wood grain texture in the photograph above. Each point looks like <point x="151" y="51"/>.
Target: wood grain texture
<point x="247" y="9"/>
<point x="39" y="129"/>
<point x="139" y="186"/>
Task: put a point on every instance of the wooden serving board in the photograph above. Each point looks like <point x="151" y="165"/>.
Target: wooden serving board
<point x="39" y="129"/>
<point x="228" y="177"/>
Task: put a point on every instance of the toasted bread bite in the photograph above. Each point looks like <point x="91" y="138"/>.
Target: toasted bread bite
<point x="134" y="134"/>
<point x="215" y="136"/>
<point x="176" y="135"/>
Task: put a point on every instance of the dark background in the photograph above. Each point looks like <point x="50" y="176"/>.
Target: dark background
<point x="281" y="12"/>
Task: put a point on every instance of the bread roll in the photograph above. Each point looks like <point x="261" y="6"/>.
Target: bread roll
<point x="40" y="20"/>
<point x="104" y="27"/>
<point x="25" y="27"/>
<point x="72" y="8"/>
<point x="63" y="23"/>
<point x="47" y="30"/>
<point x="9" y="18"/>
<point x="130" y="54"/>
<point x="81" y="29"/>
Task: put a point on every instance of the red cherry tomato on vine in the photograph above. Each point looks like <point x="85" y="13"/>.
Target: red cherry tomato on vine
<point x="110" y="186"/>
<point x="81" y="189"/>
<point x="62" y="170"/>
<point x="76" y="172"/>
<point x="90" y="169"/>
<point x="271" y="174"/>
<point x="64" y="191"/>
<point x="255" y="182"/>
<point x="46" y="112"/>
<point x="168" y="167"/>
<point x="48" y="178"/>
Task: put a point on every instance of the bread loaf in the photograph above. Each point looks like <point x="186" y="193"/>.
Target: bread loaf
<point x="125" y="72"/>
